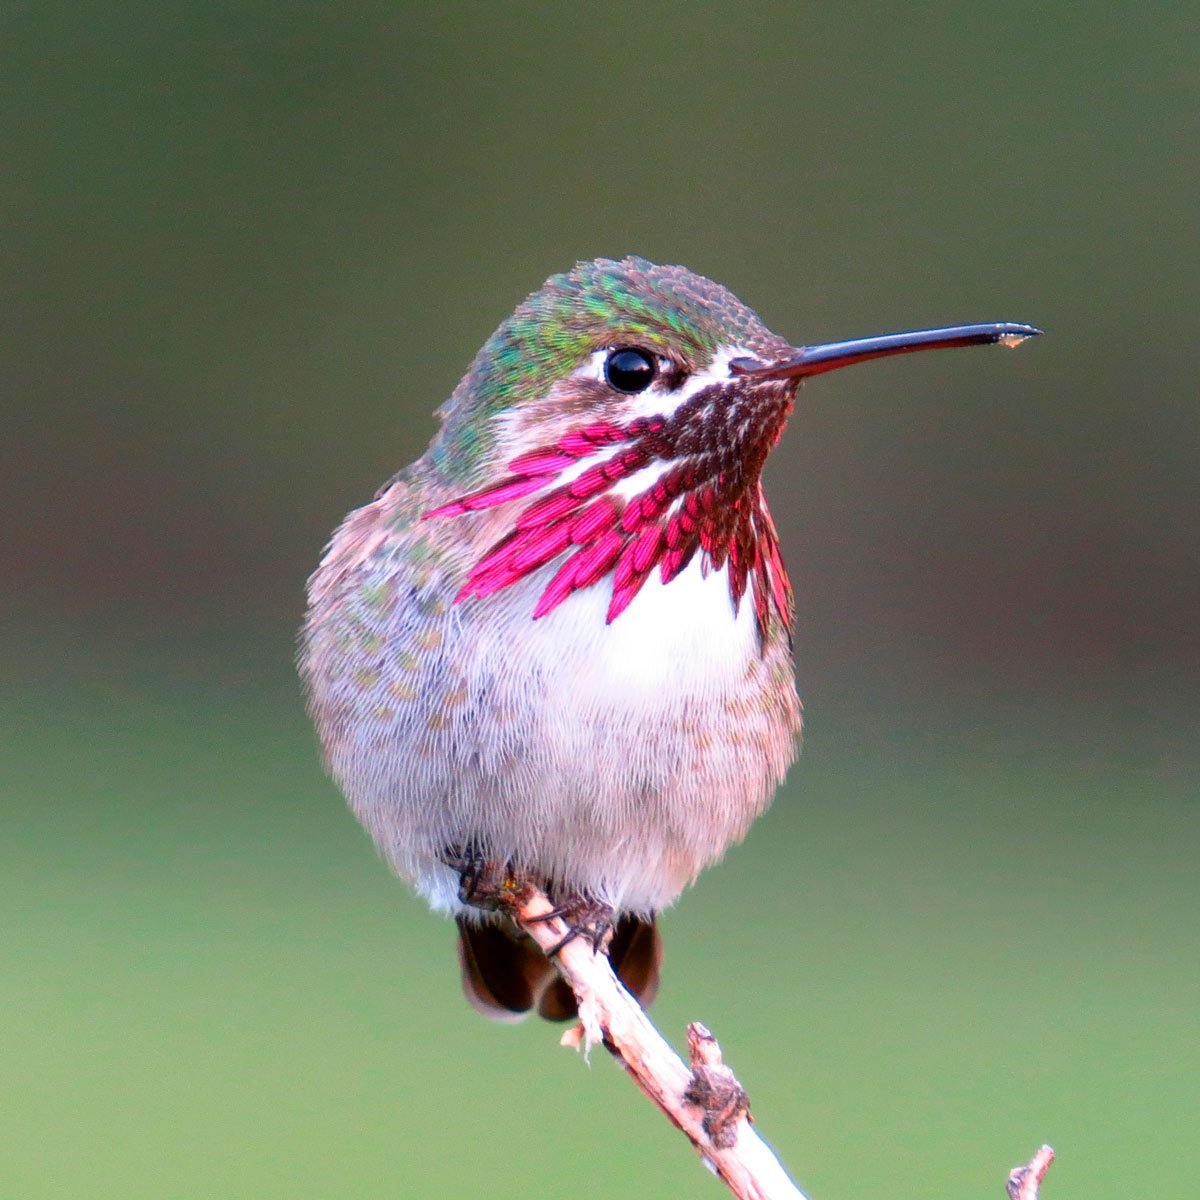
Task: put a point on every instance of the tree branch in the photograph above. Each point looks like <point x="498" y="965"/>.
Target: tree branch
<point x="704" y="1100"/>
<point x="1023" y="1182"/>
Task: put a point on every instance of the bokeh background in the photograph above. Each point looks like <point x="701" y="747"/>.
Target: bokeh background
<point x="245" y="252"/>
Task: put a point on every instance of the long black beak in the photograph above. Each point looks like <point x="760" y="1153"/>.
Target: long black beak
<point x="815" y="360"/>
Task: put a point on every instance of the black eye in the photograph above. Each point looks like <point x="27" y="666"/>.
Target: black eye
<point x="629" y="370"/>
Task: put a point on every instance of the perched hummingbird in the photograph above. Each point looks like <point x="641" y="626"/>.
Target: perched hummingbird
<point x="557" y="646"/>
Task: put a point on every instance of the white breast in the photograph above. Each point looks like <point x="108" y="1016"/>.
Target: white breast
<point x="677" y="639"/>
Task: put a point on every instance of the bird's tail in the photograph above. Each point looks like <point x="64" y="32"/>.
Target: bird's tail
<point x="504" y="975"/>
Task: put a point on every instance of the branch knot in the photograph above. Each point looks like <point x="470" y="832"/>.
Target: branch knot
<point x="714" y="1088"/>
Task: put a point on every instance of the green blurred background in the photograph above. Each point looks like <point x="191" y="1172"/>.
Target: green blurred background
<point x="247" y="249"/>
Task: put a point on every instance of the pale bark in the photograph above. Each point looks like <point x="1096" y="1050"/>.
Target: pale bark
<point x="703" y="1099"/>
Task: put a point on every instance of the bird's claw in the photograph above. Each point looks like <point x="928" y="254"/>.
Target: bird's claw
<point x="583" y="916"/>
<point x="482" y="882"/>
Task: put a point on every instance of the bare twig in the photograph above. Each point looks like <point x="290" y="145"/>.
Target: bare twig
<point x="1023" y="1182"/>
<point x="705" y="1101"/>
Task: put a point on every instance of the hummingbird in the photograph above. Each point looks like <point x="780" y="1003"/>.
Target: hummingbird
<point x="557" y="648"/>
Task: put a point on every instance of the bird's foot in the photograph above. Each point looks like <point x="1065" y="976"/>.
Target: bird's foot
<point x="584" y="916"/>
<point x="482" y="882"/>
<point x="500" y="886"/>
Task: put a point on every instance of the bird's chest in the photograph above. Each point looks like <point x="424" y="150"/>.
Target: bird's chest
<point x="633" y="751"/>
<point x="677" y="645"/>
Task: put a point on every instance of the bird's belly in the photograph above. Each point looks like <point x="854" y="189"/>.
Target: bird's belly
<point x="616" y="759"/>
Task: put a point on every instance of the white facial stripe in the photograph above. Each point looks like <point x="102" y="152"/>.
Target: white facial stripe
<point x="592" y="367"/>
<point x="577" y="468"/>
<point x="643" y="480"/>
<point x="657" y="400"/>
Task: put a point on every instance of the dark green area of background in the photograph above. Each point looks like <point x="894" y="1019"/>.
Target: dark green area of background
<point x="245" y="250"/>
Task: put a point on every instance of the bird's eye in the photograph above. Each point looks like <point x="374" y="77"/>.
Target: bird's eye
<point x="630" y="371"/>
